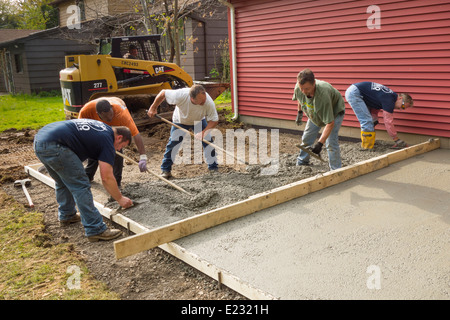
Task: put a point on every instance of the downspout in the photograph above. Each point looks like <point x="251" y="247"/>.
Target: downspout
<point x="233" y="56"/>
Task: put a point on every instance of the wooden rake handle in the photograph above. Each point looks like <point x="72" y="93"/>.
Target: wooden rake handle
<point x="206" y="141"/>
<point x="156" y="175"/>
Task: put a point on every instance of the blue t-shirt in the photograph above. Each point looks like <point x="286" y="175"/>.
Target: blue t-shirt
<point x="377" y="96"/>
<point x="87" y="138"/>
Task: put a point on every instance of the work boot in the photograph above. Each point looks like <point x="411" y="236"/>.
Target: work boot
<point x="76" y="218"/>
<point x="106" y="235"/>
<point x="367" y="139"/>
<point x="166" y="174"/>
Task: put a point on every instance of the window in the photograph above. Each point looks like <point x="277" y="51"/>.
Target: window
<point x="18" y="61"/>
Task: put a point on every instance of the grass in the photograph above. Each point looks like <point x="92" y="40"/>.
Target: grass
<point x="33" y="268"/>
<point x="225" y="97"/>
<point x="29" y="111"/>
<point x="35" y="111"/>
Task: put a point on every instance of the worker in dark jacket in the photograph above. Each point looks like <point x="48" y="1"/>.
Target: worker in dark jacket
<point x="62" y="147"/>
<point x="367" y="99"/>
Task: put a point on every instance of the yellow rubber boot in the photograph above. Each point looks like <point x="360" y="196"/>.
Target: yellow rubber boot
<point x="367" y="139"/>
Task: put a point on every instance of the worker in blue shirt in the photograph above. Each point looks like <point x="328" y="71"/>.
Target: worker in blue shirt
<point x="62" y="147"/>
<point x="367" y="99"/>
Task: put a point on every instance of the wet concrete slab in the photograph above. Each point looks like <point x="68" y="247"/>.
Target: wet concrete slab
<point x="384" y="235"/>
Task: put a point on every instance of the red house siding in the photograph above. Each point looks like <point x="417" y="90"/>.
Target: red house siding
<point x="410" y="52"/>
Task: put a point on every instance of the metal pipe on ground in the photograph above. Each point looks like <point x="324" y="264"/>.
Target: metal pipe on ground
<point x="24" y="183"/>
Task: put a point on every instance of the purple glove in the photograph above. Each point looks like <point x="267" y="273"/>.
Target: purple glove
<point x="143" y="163"/>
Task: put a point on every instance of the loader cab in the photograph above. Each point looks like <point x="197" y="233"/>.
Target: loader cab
<point x="117" y="47"/>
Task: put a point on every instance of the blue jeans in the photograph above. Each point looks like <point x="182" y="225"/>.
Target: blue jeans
<point x="176" y="137"/>
<point x="362" y="112"/>
<point x="332" y="143"/>
<point x="72" y="186"/>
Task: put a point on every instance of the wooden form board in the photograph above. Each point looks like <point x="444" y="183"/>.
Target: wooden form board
<point x="222" y="276"/>
<point x="165" y="234"/>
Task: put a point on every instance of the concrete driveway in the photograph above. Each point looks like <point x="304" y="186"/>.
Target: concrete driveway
<point x="384" y="235"/>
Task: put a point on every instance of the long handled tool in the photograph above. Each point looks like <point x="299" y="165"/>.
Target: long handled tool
<point x="208" y="142"/>
<point x="24" y="183"/>
<point x="310" y="152"/>
<point x="158" y="176"/>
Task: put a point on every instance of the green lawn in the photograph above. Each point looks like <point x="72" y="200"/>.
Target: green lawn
<point x="36" y="268"/>
<point x="225" y="97"/>
<point x="29" y="111"/>
<point x="35" y="111"/>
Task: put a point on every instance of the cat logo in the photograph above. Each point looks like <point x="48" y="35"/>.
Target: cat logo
<point x="159" y="69"/>
<point x="66" y="92"/>
<point x="162" y="69"/>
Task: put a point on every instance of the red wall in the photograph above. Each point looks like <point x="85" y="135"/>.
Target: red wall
<point x="410" y="52"/>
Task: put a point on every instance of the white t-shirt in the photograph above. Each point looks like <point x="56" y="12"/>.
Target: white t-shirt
<point x="186" y="112"/>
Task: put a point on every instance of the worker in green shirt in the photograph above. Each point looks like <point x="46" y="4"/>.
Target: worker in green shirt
<point x="325" y="108"/>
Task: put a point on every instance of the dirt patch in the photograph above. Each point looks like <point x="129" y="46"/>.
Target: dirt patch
<point x="155" y="274"/>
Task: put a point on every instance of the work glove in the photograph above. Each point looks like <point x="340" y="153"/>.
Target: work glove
<point x="317" y="147"/>
<point x="143" y="162"/>
<point x="299" y="120"/>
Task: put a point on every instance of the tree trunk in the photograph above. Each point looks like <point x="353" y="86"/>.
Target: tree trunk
<point x="177" y="38"/>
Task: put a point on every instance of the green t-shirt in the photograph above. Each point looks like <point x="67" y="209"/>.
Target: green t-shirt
<point x="323" y="108"/>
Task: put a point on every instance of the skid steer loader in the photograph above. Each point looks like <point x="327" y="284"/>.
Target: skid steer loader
<point x="136" y="81"/>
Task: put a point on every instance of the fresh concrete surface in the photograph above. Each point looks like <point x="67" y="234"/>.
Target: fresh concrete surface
<point x="384" y="235"/>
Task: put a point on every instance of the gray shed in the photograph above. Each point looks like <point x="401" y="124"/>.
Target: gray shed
<point x="31" y="60"/>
